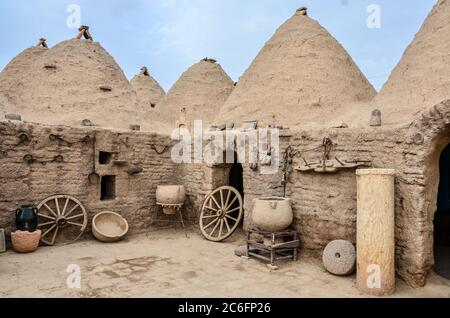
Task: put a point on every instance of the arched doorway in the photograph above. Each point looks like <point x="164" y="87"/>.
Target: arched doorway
<point x="442" y="218"/>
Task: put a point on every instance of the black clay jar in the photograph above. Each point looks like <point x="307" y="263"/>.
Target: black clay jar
<point x="27" y="218"/>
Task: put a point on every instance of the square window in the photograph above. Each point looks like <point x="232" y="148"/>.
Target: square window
<point x="105" y="158"/>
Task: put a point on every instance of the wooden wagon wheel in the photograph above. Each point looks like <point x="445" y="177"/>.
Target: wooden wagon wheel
<point x="62" y="219"/>
<point x="221" y="214"/>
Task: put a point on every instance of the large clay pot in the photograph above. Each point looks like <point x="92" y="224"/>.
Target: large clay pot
<point x="170" y="196"/>
<point x="272" y="214"/>
<point x="109" y="227"/>
<point x="27" y="218"/>
<point x="25" y="242"/>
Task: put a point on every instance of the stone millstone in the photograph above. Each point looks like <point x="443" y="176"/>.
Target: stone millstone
<point x="339" y="258"/>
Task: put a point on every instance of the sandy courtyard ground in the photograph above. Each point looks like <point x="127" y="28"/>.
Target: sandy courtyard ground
<point x="167" y="264"/>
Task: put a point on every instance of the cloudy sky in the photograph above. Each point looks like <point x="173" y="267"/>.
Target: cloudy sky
<point x="170" y="35"/>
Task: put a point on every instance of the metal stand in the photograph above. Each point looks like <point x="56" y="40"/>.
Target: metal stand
<point x="178" y="208"/>
<point x="274" y="251"/>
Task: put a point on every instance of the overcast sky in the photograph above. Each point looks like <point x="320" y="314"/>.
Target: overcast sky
<point x="170" y="35"/>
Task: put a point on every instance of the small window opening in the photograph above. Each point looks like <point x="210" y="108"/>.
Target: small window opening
<point x="105" y="158"/>
<point x="108" y="188"/>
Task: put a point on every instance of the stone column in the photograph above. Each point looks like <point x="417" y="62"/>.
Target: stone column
<point x="376" y="231"/>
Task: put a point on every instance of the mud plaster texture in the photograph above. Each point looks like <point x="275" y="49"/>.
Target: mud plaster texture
<point x="199" y="94"/>
<point x="70" y="82"/>
<point x="409" y="141"/>
<point x="33" y="182"/>
<point x="143" y="266"/>
<point x="325" y="204"/>
<point x="302" y="78"/>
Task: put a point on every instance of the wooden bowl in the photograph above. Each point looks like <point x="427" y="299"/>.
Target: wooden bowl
<point x="109" y="227"/>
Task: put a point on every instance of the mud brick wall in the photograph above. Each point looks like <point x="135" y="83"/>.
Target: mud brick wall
<point x="32" y="182"/>
<point x="197" y="179"/>
<point x="325" y="204"/>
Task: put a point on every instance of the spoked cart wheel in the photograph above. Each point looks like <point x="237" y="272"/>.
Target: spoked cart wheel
<point x="221" y="214"/>
<point x="62" y="219"/>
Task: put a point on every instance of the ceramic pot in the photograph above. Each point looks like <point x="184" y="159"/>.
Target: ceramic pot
<point x="272" y="214"/>
<point x="27" y="218"/>
<point x="170" y="196"/>
<point x="25" y="242"/>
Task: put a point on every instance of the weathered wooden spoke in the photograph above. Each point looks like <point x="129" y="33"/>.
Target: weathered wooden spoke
<point x="209" y="216"/>
<point x="227" y="224"/>
<point x="50" y="210"/>
<point x="75" y="217"/>
<point x="46" y="224"/>
<point x="234" y="210"/>
<point x="231" y="218"/>
<point x="54" y="236"/>
<point x="72" y="210"/>
<point x="215" y="228"/>
<point x="61" y="227"/>
<point x="48" y="231"/>
<point x="215" y="201"/>
<point x="211" y="223"/>
<point x="46" y="216"/>
<point x="231" y="204"/>
<point x="76" y="224"/>
<point x="211" y="209"/>
<point x="220" y="225"/>
<point x="65" y="206"/>
<point x="57" y="206"/>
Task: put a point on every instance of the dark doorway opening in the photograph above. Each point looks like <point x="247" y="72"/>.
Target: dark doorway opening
<point x="108" y="188"/>
<point x="442" y="218"/>
<point x="236" y="178"/>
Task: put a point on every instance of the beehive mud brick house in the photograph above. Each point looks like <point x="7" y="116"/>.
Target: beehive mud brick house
<point x="77" y="109"/>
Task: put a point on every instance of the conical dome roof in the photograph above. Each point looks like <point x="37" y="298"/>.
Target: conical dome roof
<point x="198" y="95"/>
<point x="13" y="73"/>
<point x="73" y="81"/>
<point x="148" y="91"/>
<point x="421" y="79"/>
<point x="302" y="78"/>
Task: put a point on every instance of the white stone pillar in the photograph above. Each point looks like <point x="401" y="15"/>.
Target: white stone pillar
<point x="376" y="231"/>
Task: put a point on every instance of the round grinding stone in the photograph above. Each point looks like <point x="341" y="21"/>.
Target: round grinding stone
<point x="339" y="258"/>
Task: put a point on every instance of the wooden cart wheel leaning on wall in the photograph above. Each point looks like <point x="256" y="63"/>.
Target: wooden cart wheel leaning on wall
<point x="62" y="220"/>
<point x="221" y="214"/>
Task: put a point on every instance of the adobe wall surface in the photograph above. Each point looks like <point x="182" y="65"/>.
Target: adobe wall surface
<point x="33" y="182"/>
<point x="325" y="204"/>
